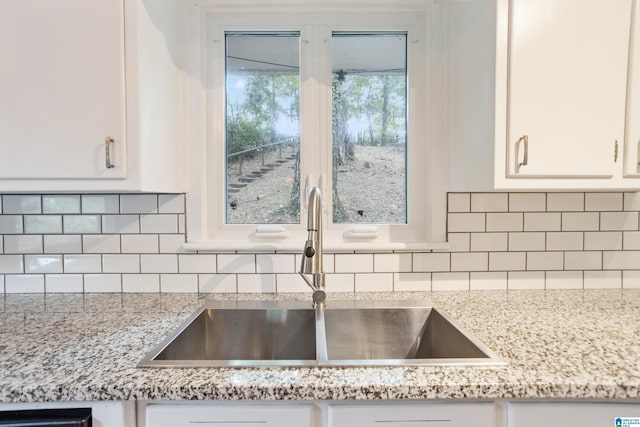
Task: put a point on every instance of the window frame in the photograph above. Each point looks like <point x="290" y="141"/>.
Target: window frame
<point x="426" y="198"/>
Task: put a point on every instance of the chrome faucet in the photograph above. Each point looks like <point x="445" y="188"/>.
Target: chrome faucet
<point x="312" y="252"/>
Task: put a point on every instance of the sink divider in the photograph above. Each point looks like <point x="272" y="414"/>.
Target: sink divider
<point x="321" y="335"/>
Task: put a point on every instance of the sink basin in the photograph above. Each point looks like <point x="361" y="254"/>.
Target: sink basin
<point x="255" y="334"/>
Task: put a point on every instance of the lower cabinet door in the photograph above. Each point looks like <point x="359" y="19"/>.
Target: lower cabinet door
<point x="584" y="414"/>
<point x="229" y="415"/>
<point x="415" y="415"/>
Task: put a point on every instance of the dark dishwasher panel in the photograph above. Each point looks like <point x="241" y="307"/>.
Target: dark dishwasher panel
<point x="76" y="417"/>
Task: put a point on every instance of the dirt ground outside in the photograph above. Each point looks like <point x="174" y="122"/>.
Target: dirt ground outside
<point x="371" y="188"/>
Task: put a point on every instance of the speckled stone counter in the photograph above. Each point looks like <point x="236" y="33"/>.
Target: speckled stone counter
<point x="557" y="344"/>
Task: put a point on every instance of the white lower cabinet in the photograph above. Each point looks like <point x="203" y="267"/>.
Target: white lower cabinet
<point x="561" y="414"/>
<point x="415" y="414"/>
<point x="230" y="415"/>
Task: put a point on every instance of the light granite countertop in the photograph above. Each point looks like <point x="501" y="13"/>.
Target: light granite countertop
<point x="557" y="344"/>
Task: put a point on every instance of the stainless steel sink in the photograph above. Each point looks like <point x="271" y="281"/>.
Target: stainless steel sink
<point x="342" y="334"/>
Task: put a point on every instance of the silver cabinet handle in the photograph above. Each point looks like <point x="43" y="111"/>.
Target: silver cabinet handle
<point x="615" y="152"/>
<point x="524" y="139"/>
<point x="107" y="152"/>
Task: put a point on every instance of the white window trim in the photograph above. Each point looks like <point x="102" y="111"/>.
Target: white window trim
<point x="205" y="99"/>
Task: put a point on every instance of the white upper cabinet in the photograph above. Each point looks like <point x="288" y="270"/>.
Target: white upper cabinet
<point x="78" y="111"/>
<point x="562" y="94"/>
<point x="561" y="83"/>
<point x="632" y="134"/>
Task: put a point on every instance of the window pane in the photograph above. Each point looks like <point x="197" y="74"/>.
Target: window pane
<point x="262" y="128"/>
<point x="369" y="91"/>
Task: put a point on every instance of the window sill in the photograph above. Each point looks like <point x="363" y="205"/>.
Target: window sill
<point x="329" y="247"/>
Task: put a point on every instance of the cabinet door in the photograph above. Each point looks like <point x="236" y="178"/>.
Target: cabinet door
<point x="62" y="86"/>
<point x="632" y="132"/>
<point x="569" y="414"/>
<point x="566" y="87"/>
<point x="423" y="414"/>
<point x="229" y="415"/>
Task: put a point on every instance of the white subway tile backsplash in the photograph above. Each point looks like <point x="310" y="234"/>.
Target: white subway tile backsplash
<point x="120" y="224"/>
<point x="101" y="244"/>
<point x="138" y="203"/>
<point x="486" y="242"/>
<point x="217" y="283"/>
<point x="256" y="283"/>
<point x="564" y="280"/>
<point x="354" y="263"/>
<point x="11" y="264"/>
<point x="197" y="263"/>
<point x="61" y="204"/>
<point x="276" y="263"/>
<point x="24" y="283"/>
<point x="141" y="283"/>
<point x="542" y="221"/>
<point x="411" y="282"/>
<point x="450" y="281"/>
<point x="228" y="263"/>
<point x="631" y="201"/>
<point x="580" y="221"/>
<point x="511" y="221"/>
<point x="100" y="203"/>
<point x="602" y="279"/>
<point x="171" y="203"/>
<point x="82" y="263"/>
<point x="427" y="262"/>
<point x="134" y="242"/>
<point x="341" y="283"/>
<point x="489" y="202"/>
<point x="171" y="243"/>
<point x="459" y="242"/>
<point x="619" y="220"/>
<point x="139" y="243"/>
<point x="120" y="263"/>
<point x="21" y="204"/>
<point x="63" y="244"/>
<point x="527" y="241"/>
<point x="472" y="261"/>
<point x="103" y="283"/>
<point x="81" y="224"/>
<point x="565" y="241"/>
<point x="487" y="280"/>
<point x="182" y="283"/>
<point x="459" y="202"/>
<point x="291" y="283"/>
<point x="603" y="240"/>
<point x="565" y="202"/>
<point x="631" y="279"/>
<point x="586" y="260"/>
<point x="603" y="202"/>
<point x="22" y="244"/>
<point x="630" y="241"/>
<point x="43" y="224"/>
<point x="375" y="282"/>
<point x="63" y="283"/>
<point x="160" y="224"/>
<point x="527" y="202"/>
<point x="11" y="224"/>
<point x="158" y="263"/>
<point x="545" y="260"/>
<point x="620" y="260"/>
<point x="466" y="222"/>
<point x="42" y="264"/>
<point x="390" y="263"/>
<point x="525" y="280"/>
<point x="507" y="261"/>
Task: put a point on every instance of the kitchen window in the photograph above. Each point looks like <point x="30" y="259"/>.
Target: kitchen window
<point x="293" y="98"/>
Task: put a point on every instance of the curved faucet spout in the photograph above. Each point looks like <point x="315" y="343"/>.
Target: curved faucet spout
<point x="312" y="252"/>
